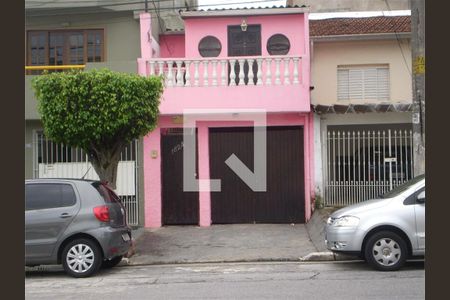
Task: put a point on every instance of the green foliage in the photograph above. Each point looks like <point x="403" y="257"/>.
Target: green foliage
<point x="97" y="108"/>
<point x="318" y="202"/>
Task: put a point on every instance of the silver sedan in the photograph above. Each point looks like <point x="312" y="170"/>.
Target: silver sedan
<point x="385" y="231"/>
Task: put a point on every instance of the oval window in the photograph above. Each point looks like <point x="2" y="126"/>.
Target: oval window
<point x="278" y="44"/>
<point x="209" y="46"/>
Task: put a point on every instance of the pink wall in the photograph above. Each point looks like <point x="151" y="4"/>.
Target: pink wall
<point x="272" y="98"/>
<point x="152" y="179"/>
<point x="290" y="25"/>
<point x="152" y="166"/>
<point x="203" y="170"/>
<point x="172" y="45"/>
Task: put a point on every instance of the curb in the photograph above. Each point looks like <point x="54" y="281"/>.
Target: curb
<point x="128" y="262"/>
<point x="328" y="256"/>
<point x="311" y="257"/>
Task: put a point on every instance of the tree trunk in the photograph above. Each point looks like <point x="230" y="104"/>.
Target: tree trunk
<point x="105" y="164"/>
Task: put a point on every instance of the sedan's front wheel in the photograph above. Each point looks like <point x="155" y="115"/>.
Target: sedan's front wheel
<point x="81" y="258"/>
<point x="386" y="251"/>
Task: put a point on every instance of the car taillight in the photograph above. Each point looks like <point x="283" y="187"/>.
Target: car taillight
<point x="102" y="213"/>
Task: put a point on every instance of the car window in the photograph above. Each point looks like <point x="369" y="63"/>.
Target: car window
<point x="48" y="195"/>
<point x="403" y="187"/>
<point x="107" y="194"/>
<point x="412" y="199"/>
<point x="421" y="195"/>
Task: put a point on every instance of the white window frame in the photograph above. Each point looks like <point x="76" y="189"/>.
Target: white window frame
<point x="363" y="83"/>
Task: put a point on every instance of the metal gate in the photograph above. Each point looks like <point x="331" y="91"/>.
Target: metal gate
<point x="179" y="207"/>
<point x="364" y="164"/>
<point x="52" y="160"/>
<point x="284" y="199"/>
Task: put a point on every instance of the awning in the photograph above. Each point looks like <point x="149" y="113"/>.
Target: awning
<point x="361" y="108"/>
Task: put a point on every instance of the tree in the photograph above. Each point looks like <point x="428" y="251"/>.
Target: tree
<point x="99" y="111"/>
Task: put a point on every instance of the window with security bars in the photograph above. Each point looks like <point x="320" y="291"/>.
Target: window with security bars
<point x="363" y="82"/>
<point x="64" y="47"/>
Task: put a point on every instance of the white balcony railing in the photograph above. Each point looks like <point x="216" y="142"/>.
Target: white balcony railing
<point x="230" y="71"/>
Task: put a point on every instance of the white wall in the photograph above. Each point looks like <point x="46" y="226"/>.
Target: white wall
<point x="318" y="168"/>
<point x="126" y="181"/>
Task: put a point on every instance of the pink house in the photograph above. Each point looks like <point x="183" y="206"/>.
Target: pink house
<point x="227" y="68"/>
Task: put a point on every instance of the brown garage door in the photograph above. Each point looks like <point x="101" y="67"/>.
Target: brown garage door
<point x="284" y="200"/>
<point x="178" y="207"/>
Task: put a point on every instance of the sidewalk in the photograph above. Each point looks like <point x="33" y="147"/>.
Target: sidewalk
<point x="222" y="243"/>
<point x="233" y="243"/>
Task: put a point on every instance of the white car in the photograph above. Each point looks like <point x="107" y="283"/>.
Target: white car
<point x="385" y="231"/>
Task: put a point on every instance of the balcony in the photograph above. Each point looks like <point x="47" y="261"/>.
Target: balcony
<point x="38" y="69"/>
<point x="274" y="83"/>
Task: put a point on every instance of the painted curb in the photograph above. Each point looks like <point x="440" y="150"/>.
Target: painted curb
<point x="328" y="256"/>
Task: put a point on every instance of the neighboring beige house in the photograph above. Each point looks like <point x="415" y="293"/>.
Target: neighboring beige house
<point x="87" y="34"/>
<point x="362" y="96"/>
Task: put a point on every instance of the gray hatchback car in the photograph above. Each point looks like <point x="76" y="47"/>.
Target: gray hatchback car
<point x="384" y="231"/>
<point x="80" y="224"/>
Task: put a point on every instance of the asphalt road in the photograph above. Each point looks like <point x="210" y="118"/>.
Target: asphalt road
<point x="328" y="280"/>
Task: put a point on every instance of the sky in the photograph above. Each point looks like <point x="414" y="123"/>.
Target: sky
<point x="313" y="16"/>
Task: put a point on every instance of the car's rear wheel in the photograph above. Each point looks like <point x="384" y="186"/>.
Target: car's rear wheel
<point x="386" y="251"/>
<point x="109" y="263"/>
<point x="81" y="258"/>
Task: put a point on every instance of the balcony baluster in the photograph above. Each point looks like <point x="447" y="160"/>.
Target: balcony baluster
<point x="223" y="75"/>
<point x="286" y="71"/>
<point x="188" y="73"/>
<point x="277" y="71"/>
<point x="214" y="73"/>
<point x="241" y="72"/>
<point x="269" y="71"/>
<point x="296" y="81"/>
<point x="232" y="72"/>
<point x="196" y="75"/>
<point x="179" y="73"/>
<point x="250" y="72"/>
<point x="152" y="67"/>
<point x="259" y="72"/>
<point x="170" y="79"/>
<point x="205" y="73"/>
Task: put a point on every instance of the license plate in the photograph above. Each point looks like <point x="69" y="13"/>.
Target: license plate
<point x="126" y="237"/>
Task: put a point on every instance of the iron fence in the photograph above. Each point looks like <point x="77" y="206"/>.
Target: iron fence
<point x="54" y="160"/>
<point x="363" y="164"/>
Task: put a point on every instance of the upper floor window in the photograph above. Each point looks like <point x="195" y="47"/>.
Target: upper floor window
<point x="278" y="44"/>
<point x="209" y="46"/>
<point x="363" y="82"/>
<point x="64" y="47"/>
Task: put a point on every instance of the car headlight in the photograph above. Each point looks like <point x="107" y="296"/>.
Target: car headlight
<point x="346" y="221"/>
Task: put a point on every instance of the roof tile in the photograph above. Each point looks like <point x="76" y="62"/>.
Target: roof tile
<point x="367" y="25"/>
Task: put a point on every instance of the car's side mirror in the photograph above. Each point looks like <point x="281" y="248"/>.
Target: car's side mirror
<point x="421" y="197"/>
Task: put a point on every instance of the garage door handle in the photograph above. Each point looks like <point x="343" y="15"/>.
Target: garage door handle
<point x="65" y="215"/>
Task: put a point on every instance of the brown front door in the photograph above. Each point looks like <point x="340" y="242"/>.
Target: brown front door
<point x="178" y="207"/>
<point x="284" y="200"/>
<point x="245" y="43"/>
